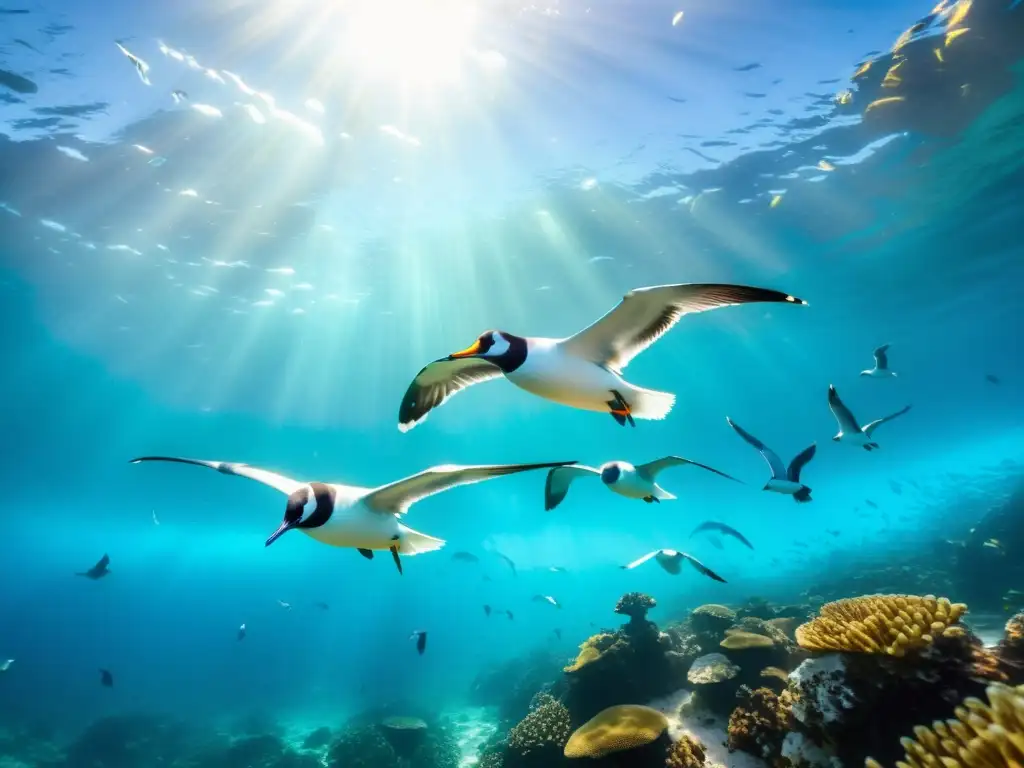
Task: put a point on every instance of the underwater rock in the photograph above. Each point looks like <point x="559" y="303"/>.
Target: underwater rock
<point x="361" y="747"/>
<point x="404" y="734"/>
<point x="439" y="749"/>
<point x="862" y="703"/>
<point x="511" y="685"/>
<point x="318" y="739"/>
<point x="127" y="741"/>
<point x="714" y="680"/>
<point x="759" y="725"/>
<point x="1011" y="649"/>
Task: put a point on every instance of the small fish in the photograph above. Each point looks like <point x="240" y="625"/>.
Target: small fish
<point x="728" y="530"/>
<point x="992" y="378"/>
<point x="420" y="636"/>
<point x="546" y="599"/>
<point x="558" y="633"/>
<point x="510" y="616"/>
<point x="141" y="67"/>
<point x="99" y="570"/>
<point x="677" y="18"/>
<point x="465" y="557"/>
<point x="896" y="487"/>
<point x="825" y="165"/>
<point x="995" y="544"/>
<point x="321" y="605"/>
<point x="870" y="503"/>
<point x="283" y="604"/>
<point x="156" y="521"/>
<point x="776" y="199"/>
<point x="833" y="532"/>
<point x="487" y="610"/>
<point x="5" y="665"/>
<point x="106" y="679"/>
<point x="556" y="569"/>
<point x="781" y="674"/>
<point x="509" y="562"/>
<point x="241" y="632"/>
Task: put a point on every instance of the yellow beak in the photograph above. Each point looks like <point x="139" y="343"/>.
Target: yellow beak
<point x="469" y="351"/>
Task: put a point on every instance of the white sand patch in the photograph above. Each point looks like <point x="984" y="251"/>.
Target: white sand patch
<point x="709" y="729"/>
<point x="471" y="729"/>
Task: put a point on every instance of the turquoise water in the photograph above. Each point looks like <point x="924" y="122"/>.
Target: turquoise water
<point x="268" y="291"/>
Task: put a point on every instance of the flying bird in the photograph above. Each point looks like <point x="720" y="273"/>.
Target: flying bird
<point x="106" y="679"/>
<point x="420" y="637"/>
<point x="99" y="570"/>
<point x="582" y="371"/>
<point x="545" y="599"/>
<point x="881" y="369"/>
<point x="783" y="480"/>
<point x="241" y="632"/>
<point x="728" y="530"/>
<point x="639" y="482"/>
<point x="366" y="519"/>
<point x="141" y="67"/>
<point x="672" y="562"/>
<point x="849" y="430"/>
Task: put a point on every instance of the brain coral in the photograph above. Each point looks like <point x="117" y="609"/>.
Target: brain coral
<point x="980" y="736"/>
<point x="889" y="624"/>
<point x="616" y="729"/>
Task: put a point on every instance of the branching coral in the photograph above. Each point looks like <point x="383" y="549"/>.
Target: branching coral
<point x="889" y="624"/>
<point x="760" y="724"/>
<point x="980" y="736"/>
<point x="616" y="729"/>
<point x="635" y="605"/>
<point x="547" y="727"/>
<point x="686" y="753"/>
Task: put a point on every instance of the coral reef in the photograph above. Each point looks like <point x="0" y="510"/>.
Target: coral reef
<point x="760" y="723"/>
<point x="892" y="624"/>
<point x="591" y="650"/>
<point x="127" y="741"/>
<point x="616" y="729"/>
<point x="979" y="735"/>
<point x="539" y="739"/>
<point x="712" y="619"/>
<point x="362" y="747"/>
<point x="686" y="753"/>
<point x="635" y="605"/>
<point x="318" y="739"/>
<point x="404" y="734"/>
<point x="714" y="679"/>
<point x="510" y="685"/>
<point x="1011" y="647"/>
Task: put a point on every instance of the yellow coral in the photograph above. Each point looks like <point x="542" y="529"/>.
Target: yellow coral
<point x="740" y="640"/>
<point x="891" y="624"/>
<point x="980" y="736"/>
<point x="688" y="752"/>
<point x="616" y="729"/>
<point x="591" y="650"/>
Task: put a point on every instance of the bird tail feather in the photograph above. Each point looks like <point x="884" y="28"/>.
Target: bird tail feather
<point x="650" y="404"/>
<point x="415" y="543"/>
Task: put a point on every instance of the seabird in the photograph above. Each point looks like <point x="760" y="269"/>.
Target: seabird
<point x="639" y="482"/>
<point x="849" y="431"/>
<point x="672" y="562"/>
<point x="583" y="371"/>
<point x="783" y="480"/>
<point x="544" y="599"/>
<point x="881" y="369"/>
<point x="365" y="519"/>
<point x="99" y="570"/>
<point x="141" y="67"/>
<point x="106" y="679"/>
<point x="241" y="632"/>
<point x="420" y="637"/>
<point x="728" y="530"/>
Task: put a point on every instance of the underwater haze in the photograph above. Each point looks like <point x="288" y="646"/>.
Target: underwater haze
<point x="240" y="231"/>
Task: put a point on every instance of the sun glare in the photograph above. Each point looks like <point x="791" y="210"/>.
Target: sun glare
<point x="424" y="41"/>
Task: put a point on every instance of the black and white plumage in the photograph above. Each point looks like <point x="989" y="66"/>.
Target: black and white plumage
<point x="547" y="599"/>
<point x="850" y="430"/>
<point x="365" y="519"/>
<point x="98" y="571"/>
<point x="582" y="371"/>
<point x="881" y="369"/>
<point x="672" y="561"/>
<point x="420" y="636"/>
<point x="784" y="479"/>
<point x="717" y="527"/>
<point x="633" y="482"/>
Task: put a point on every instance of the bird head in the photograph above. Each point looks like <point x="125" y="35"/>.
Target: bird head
<point x="611" y="472"/>
<point x="489" y="344"/>
<point x="299" y="512"/>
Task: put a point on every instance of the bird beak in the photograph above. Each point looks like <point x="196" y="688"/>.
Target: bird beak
<point x="283" y="528"/>
<point x="472" y="349"/>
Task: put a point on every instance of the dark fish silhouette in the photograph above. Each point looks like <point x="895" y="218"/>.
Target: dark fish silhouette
<point x="747" y="67"/>
<point x="466" y="557"/>
<point x="870" y="503"/>
<point x="106" y="679"/>
<point x="510" y="616"/>
<point x="241" y="632"/>
<point x="99" y="570"/>
<point x="896" y="487"/>
<point x="558" y="634"/>
<point x="992" y="378"/>
<point x="321" y="605"/>
<point x="487" y="610"/>
<point x="420" y="637"/>
<point x="728" y="530"/>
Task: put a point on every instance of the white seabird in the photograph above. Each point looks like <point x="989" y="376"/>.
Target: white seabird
<point x="849" y="429"/>
<point x="881" y="369"/>
<point x="672" y="562"/>
<point x="365" y="519"/>
<point x="783" y="480"/>
<point x="639" y="482"/>
<point x="582" y="371"/>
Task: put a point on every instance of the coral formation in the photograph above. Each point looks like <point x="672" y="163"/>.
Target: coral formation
<point x="760" y="723"/>
<point x="635" y="605"/>
<point x="540" y="737"/>
<point x="712" y="668"/>
<point x="616" y="729"/>
<point x="404" y="734"/>
<point x="362" y="747"/>
<point x="687" y="752"/>
<point x="711" y="619"/>
<point x="591" y="650"/>
<point x="980" y="735"/>
<point x="739" y="640"/>
<point x="1011" y="647"/>
<point x="891" y="624"/>
<point x="714" y="676"/>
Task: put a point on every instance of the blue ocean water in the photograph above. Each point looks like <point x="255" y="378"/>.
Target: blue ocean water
<point x="246" y="251"/>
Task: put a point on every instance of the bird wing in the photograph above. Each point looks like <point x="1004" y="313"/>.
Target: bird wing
<point x="871" y="427"/>
<point x="651" y="469"/>
<point x="641" y="560"/>
<point x="882" y="359"/>
<point x="396" y="498"/>
<point x="103" y="563"/>
<point x="701" y="568"/>
<point x="557" y="485"/>
<point x="645" y="314"/>
<point x="438" y="381"/>
<point x="800" y="461"/>
<point x="847" y="421"/>
<point x="278" y="482"/>
<point x="774" y="462"/>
